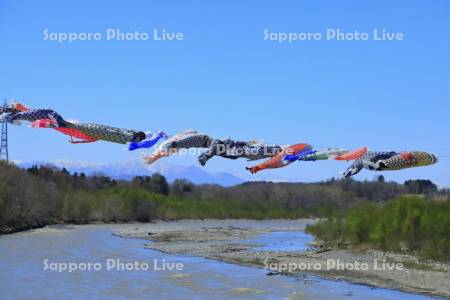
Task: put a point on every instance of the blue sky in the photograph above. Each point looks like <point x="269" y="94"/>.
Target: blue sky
<point x="226" y="80"/>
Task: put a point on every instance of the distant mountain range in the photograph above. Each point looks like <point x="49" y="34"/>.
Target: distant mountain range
<point x="128" y="169"/>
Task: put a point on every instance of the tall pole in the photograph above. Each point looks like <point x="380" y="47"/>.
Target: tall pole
<point x="4" y="155"/>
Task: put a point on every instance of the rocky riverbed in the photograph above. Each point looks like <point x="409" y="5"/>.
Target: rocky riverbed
<point x="234" y="242"/>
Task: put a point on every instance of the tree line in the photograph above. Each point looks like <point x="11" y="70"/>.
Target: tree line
<point x="44" y="195"/>
<point x="409" y="224"/>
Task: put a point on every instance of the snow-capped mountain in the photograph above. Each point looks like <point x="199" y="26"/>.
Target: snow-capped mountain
<point x="128" y="169"/>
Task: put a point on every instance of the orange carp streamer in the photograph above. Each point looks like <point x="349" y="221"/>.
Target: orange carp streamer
<point x="278" y="160"/>
<point x="352" y="155"/>
<point x="20" y="107"/>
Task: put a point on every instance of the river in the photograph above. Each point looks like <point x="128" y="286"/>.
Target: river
<point x="25" y="256"/>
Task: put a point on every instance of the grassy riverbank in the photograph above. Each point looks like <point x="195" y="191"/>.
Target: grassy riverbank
<point x="407" y="224"/>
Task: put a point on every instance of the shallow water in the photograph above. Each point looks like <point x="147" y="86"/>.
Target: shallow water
<point x="282" y="241"/>
<point x="22" y="274"/>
